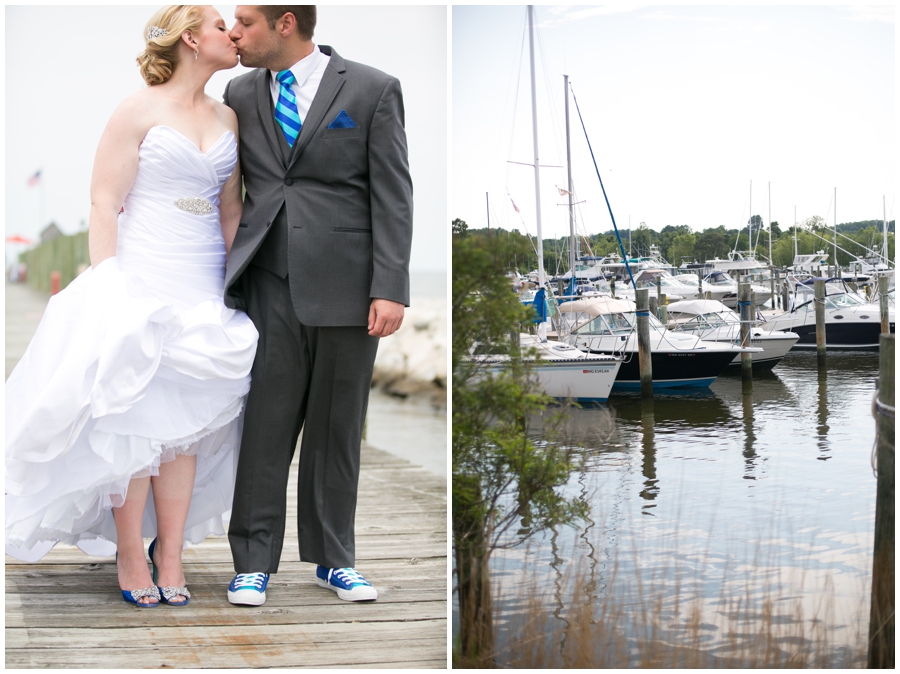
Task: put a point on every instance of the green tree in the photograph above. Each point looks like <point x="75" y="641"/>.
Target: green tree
<point x="711" y="243"/>
<point x="499" y="475"/>
<point x="460" y="228"/>
<point x="641" y="239"/>
<point x="682" y="246"/>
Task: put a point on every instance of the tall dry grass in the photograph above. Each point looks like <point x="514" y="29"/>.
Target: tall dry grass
<point x="759" y="619"/>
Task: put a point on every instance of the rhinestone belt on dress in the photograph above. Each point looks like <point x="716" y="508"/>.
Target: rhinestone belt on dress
<point x="195" y="205"/>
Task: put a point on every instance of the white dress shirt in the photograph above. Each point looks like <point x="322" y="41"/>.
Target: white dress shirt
<point x="308" y="74"/>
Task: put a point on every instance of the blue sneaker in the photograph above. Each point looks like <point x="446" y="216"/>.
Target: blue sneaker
<point x="248" y="589"/>
<point x="348" y="583"/>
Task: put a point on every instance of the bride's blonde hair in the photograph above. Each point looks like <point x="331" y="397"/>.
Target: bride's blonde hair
<point x="158" y="60"/>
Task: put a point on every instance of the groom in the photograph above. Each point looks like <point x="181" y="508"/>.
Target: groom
<point x="320" y="264"/>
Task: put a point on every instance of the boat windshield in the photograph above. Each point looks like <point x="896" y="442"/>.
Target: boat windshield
<point x="846" y="301"/>
<point x="715" y="320"/>
<point x="720" y="279"/>
<point x="606" y="324"/>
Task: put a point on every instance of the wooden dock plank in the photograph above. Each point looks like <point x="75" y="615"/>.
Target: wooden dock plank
<point x="66" y="610"/>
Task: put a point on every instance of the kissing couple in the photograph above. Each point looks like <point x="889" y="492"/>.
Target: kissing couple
<point x="246" y="258"/>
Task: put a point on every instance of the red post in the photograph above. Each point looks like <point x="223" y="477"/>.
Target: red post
<point x="54" y="282"/>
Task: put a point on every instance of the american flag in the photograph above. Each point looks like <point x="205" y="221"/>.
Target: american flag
<point x="35" y="179"/>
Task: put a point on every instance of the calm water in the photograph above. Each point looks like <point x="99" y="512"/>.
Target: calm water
<point x="756" y="493"/>
<point x="413" y="429"/>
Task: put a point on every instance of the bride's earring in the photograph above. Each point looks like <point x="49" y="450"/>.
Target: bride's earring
<point x="196" y="54"/>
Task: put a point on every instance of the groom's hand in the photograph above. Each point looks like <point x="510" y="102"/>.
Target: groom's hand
<point x="385" y="316"/>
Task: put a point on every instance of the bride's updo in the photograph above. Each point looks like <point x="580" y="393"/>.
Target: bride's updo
<point x="159" y="58"/>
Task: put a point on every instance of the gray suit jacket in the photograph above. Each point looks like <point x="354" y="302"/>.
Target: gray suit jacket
<point x="333" y="214"/>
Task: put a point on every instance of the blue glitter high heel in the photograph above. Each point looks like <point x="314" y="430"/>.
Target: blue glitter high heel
<point x="132" y="596"/>
<point x="166" y="594"/>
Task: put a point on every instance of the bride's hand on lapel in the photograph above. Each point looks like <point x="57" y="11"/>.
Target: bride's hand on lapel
<point x="385" y="317"/>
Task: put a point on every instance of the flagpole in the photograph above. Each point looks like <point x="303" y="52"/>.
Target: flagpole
<point x="41" y="203"/>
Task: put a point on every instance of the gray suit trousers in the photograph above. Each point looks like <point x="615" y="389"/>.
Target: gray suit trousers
<point x="312" y="378"/>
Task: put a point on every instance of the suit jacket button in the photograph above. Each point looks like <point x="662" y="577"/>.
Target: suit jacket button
<point x="288" y="181"/>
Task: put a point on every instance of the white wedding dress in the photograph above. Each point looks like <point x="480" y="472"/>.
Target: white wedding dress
<point x="134" y="362"/>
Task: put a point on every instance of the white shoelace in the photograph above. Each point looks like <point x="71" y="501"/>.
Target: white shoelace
<point x="254" y="580"/>
<point x="350" y="576"/>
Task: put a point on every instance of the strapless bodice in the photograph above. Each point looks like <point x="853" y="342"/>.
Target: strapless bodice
<point x="170" y="232"/>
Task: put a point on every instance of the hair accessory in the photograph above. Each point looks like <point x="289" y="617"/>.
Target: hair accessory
<point x="156" y="31"/>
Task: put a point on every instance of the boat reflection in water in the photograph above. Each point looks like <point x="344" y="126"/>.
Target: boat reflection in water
<point x="751" y="503"/>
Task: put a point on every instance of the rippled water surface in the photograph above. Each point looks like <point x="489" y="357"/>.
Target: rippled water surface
<point x="761" y="493"/>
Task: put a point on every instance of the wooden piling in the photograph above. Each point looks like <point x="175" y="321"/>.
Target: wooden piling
<point x="663" y="311"/>
<point x="819" y="288"/>
<point x="643" y="329"/>
<point x="785" y="295"/>
<point x="883" y="303"/>
<point x="772" y="284"/>
<point x="745" y="304"/>
<point x="881" y="614"/>
<point x="612" y="287"/>
<point x="654" y="306"/>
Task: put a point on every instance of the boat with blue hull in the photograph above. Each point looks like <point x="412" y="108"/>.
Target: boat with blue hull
<point x="608" y="326"/>
<point x="851" y="323"/>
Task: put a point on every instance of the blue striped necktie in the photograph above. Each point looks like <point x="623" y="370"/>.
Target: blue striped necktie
<point x="286" y="108"/>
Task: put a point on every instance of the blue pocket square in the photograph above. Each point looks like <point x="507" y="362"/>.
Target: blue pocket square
<point x="342" y="121"/>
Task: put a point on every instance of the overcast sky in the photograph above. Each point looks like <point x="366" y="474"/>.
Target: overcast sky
<point x="67" y="68"/>
<point x="684" y="107"/>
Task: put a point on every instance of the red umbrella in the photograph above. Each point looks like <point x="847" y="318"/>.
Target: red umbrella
<point x="18" y="239"/>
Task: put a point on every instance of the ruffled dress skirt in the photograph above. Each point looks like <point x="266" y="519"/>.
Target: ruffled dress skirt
<point x="136" y="361"/>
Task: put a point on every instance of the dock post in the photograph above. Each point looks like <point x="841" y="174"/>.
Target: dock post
<point x="785" y="294"/>
<point x="819" y="288"/>
<point x="772" y="284"/>
<point x="612" y="287"/>
<point x="663" y="312"/>
<point x="643" y="329"/>
<point x="881" y="615"/>
<point x="744" y="303"/>
<point x="654" y="306"/>
<point x="883" y="303"/>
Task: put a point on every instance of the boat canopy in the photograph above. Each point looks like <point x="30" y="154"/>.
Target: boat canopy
<point x="697" y="307"/>
<point x="598" y="306"/>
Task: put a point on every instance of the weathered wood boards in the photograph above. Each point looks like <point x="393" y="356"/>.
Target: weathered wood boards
<point x="66" y="611"/>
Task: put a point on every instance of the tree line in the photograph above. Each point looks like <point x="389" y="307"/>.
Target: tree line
<point x="678" y="243"/>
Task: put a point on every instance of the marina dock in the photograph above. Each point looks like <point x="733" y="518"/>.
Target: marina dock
<point x="66" y="610"/>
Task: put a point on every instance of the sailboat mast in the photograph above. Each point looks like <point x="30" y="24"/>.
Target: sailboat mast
<point x="884" y="242"/>
<point x="537" y="171"/>
<point x="569" y="187"/>
<point x="837" y="270"/>
<point x="795" y="232"/>
<point x="750" y="221"/>
<point x="770" y="228"/>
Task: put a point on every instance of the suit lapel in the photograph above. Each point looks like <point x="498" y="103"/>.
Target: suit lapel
<point x="264" y="110"/>
<point x="332" y="81"/>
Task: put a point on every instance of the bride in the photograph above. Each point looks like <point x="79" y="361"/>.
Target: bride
<point x="123" y="416"/>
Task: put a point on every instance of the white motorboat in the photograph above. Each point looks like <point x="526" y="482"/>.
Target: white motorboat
<point x="561" y="371"/>
<point x="851" y="323"/>
<point x="648" y="278"/>
<point x="728" y="288"/>
<point x="713" y="321"/>
<point x="608" y="326"/>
